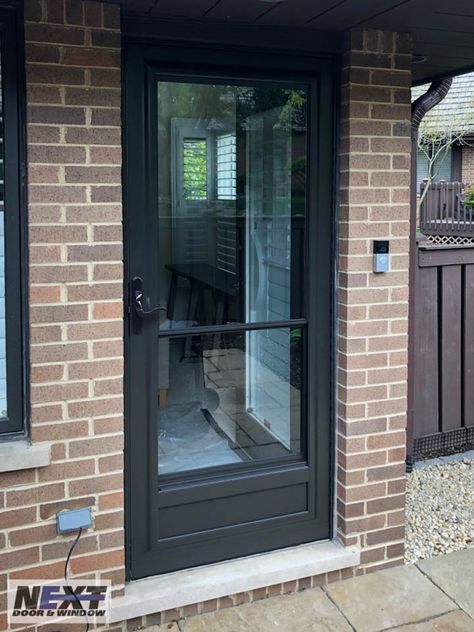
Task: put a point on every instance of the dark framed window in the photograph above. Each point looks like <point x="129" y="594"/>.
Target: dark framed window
<point x="441" y="169"/>
<point x="12" y="260"/>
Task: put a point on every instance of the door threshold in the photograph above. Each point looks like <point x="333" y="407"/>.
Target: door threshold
<point x="195" y="585"/>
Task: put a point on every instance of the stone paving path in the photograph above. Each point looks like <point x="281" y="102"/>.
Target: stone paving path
<point x="435" y="595"/>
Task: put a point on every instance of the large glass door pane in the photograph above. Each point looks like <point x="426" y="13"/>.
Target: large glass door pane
<point x="231" y="204"/>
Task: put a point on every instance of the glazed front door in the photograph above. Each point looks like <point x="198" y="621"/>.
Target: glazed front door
<point x="228" y="313"/>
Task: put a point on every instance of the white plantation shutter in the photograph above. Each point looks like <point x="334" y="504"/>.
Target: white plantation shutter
<point x="226" y="188"/>
<point x="226" y="167"/>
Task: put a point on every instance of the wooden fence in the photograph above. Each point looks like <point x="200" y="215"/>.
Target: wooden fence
<point x="443" y="339"/>
<point x="442" y="211"/>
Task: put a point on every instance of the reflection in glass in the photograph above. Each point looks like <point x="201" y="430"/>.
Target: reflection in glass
<point x="235" y="398"/>
<point x="3" y="352"/>
<point x="231" y="176"/>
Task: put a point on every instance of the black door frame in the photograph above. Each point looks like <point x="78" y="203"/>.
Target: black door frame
<point x="140" y="437"/>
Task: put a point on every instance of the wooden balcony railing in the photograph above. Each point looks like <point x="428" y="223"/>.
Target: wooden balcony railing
<point x="443" y="212"/>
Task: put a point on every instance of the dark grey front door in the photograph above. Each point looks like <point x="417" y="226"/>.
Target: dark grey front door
<point x="228" y="232"/>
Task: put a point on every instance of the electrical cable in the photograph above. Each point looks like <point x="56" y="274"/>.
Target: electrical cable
<point x="71" y="591"/>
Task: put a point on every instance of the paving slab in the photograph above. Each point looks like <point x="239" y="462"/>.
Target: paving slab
<point x="307" y="611"/>
<point x="454" y="573"/>
<point x="457" y="621"/>
<point x="389" y="598"/>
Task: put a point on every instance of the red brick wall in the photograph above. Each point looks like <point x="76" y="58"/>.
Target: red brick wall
<point x="75" y="251"/>
<point x="373" y="309"/>
<point x="467" y="164"/>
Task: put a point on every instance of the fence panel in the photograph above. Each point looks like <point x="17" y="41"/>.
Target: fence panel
<point x="426" y="377"/>
<point x="443" y="339"/>
<point x="449" y="332"/>
<point x="468" y="342"/>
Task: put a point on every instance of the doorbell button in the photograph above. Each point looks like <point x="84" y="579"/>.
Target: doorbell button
<point x="381" y="256"/>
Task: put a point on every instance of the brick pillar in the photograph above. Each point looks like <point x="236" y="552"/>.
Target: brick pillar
<point x="373" y="309"/>
<point x="75" y="294"/>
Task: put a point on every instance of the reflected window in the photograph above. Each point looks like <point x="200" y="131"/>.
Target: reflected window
<point x="194" y="169"/>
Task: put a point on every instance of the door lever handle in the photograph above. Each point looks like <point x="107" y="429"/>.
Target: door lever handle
<point x="136" y="299"/>
<point x="139" y="307"/>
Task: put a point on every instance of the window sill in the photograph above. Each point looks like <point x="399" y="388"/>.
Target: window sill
<point x="20" y="454"/>
<point x="189" y="586"/>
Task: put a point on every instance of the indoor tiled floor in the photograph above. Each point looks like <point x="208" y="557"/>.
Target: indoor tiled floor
<point x="435" y="595"/>
<point x="187" y="441"/>
<point x="205" y="415"/>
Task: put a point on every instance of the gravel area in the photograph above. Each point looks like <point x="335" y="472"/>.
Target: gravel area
<point x="440" y="507"/>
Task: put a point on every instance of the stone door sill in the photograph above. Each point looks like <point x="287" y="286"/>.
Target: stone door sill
<point x="189" y="586"/>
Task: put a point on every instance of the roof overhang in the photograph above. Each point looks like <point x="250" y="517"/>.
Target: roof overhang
<point x="443" y="33"/>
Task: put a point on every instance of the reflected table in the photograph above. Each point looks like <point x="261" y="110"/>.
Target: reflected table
<point x="202" y="277"/>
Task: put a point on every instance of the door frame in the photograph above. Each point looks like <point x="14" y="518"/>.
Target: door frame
<point x="241" y="64"/>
